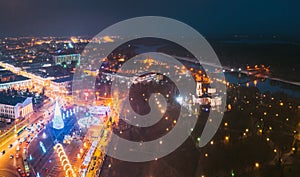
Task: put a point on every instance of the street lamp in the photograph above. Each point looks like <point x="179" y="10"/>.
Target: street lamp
<point x="256" y="165"/>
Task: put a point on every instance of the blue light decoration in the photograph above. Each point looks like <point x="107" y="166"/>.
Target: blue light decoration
<point x="58" y="122"/>
<point x="44" y="135"/>
<point x="38" y="174"/>
<point x="179" y="99"/>
<point x="70" y="45"/>
<point x="30" y="157"/>
<point x="64" y="117"/>
<point x="67" y="114"/>
<point x="43" y="147"/>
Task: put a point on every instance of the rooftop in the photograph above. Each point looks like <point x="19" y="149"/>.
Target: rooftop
<point x="11" y="100"/>
<point x="65" y="79"/>
<point x="51" y="71"/>
<point x="12" y="77"/>
<point x="4" y="72"/>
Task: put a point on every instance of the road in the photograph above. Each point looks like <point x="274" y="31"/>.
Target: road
<point x="9" y="165"/>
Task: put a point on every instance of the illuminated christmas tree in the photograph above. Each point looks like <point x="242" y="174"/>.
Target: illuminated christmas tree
<point x="58" y="122"/>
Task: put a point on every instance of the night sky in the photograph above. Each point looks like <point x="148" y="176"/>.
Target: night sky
<point x="212" y="18"/>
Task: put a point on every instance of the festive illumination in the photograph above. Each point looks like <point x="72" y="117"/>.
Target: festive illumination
<point x="64" y="160"/>
<point x="43" y="147"/>
<point x="89" y="121"/>
<point x="44" y="135"/>
<point x="58" y="122"/>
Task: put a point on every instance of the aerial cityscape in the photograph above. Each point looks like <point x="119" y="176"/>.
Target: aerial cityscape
<point x="69" y="104"/>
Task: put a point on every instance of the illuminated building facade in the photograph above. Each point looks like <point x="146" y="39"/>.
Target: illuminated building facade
<point x="60" y="59"/>
<point x="62" y="85"/>
<point x="205" y="100"/>
<point x="11" y="80"/>
<point x="199" y="89"/>
<point x="20" y="84"/>
<point x="12" y="107"/>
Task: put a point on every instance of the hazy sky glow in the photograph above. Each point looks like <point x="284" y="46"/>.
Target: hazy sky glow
<point x="212" y="18"/>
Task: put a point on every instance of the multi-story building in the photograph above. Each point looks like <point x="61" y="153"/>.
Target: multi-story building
<point x="11" y="80"/>
<point x="14" y="107"/>
<point x="43" y="76"/>
<point x="62" y="85"/>
<point x="67" y="59"/>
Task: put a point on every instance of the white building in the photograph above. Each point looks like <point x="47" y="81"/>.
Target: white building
<point x="199" y="89"/>
<point x="20" y="84"/>
<point x="12" y="107"/>
<point x="9" y="79"/>
<point x="215" y="101"/>
<point x="59" y="59"/>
